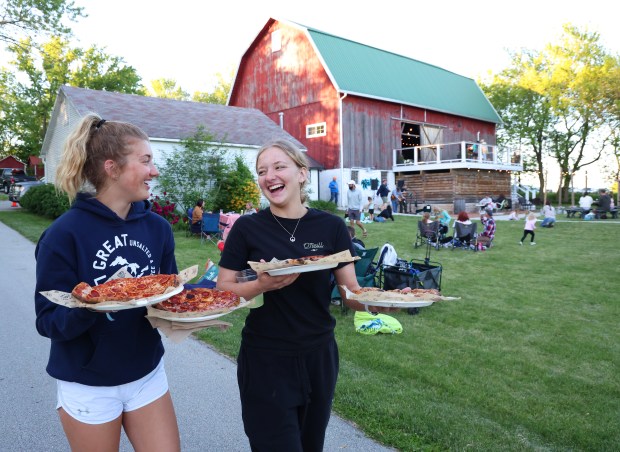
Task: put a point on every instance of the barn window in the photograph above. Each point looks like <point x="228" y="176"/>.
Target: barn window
<point x="276" y="41"/>
<point x="316" y="130"/>
<point x="409" y="137"/>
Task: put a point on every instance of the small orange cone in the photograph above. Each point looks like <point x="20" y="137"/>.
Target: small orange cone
<point x="14" y="204"/>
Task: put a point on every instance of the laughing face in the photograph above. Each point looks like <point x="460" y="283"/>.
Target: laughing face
<point x="138" y="172"/>
<point x="279" y="178"/>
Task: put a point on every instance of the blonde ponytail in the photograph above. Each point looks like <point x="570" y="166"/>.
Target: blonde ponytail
<point x="94" y="141"/>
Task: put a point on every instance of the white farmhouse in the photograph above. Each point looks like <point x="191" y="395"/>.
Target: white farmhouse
<point x="167" y="122"/>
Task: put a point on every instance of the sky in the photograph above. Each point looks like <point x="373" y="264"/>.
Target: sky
<point x="191" y="41"/>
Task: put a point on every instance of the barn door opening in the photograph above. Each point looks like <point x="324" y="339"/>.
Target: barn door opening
<point x="409" y="137"/>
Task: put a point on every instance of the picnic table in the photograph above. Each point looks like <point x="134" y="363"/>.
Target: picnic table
<point x="571" y="211"/>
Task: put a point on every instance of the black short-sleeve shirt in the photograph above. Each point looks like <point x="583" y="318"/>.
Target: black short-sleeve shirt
<point x="296" y="317"/>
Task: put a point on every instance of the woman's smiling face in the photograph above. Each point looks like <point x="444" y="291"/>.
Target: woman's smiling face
<point x="138" y="172"/>
<point x="279" y="178"/>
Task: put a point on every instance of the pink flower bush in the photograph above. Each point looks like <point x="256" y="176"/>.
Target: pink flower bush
<point x="165" y="208"/>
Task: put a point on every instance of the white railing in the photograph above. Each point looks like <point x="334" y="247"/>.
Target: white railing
<point x="462" y="153"/>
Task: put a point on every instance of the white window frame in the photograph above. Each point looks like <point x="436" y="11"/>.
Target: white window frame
<point x="314" y="130"/>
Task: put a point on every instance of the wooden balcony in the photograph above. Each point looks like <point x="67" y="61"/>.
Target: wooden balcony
<point x="461" y="154"/>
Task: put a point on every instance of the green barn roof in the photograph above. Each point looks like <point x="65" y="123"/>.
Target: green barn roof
<point x="370" y="72"/>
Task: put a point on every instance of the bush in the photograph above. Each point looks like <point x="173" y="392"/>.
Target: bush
<point x="323" y="205"/>
<point x="45" y="200"/>
<point x="164" y="207"/>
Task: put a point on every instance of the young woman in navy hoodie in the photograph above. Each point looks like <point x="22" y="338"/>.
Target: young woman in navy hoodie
<point x="108" y="365"/>
<point x="288" y="360"/>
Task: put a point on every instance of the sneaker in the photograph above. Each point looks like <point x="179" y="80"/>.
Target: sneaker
<point x="533" y="243"/>
<point x="521" y="243"/>
<point x="336" y="302"/>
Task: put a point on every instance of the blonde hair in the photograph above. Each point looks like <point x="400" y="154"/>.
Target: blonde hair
<point x="298" y="157"/>
<point x="92" y="142"/>
<point x="531" y="216"/>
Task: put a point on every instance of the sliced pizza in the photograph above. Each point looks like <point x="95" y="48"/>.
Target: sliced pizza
<point x="126" y="289"/>
<point x="200" y="301"/>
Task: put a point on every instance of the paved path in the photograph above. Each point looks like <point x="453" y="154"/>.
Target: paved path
<point x="202" y="382"/>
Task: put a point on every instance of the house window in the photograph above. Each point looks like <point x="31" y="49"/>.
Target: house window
<point x="316" y="130"/>
<point x="276" y="41"/>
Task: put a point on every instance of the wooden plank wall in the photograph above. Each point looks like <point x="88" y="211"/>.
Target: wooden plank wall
<point x="441" y="189"/>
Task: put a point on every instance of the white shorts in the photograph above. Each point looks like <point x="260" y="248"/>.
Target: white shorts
<point x="101" y="404"/>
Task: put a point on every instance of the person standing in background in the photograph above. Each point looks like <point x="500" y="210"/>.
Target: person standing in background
<point x="334" y="190"/>
<point x="383" y="191"/>
<point x="395" y="199"/>
<point x="354" y="207"/>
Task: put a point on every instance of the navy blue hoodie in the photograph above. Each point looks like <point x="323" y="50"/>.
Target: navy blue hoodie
<point x="90" y="243"/>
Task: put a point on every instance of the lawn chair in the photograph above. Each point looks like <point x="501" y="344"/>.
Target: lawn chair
<point x="210" y="229"/>
<point x="428" y="233"/>
<point x="465" y="236"/>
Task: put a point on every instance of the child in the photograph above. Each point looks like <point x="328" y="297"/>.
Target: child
<point x="513" y="215"/>
<point x="530" y="225"/>
<point x="370" y="207"/>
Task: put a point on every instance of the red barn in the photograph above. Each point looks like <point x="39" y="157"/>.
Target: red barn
<point x="12" y="162"/>
<point x="368" y="114"/>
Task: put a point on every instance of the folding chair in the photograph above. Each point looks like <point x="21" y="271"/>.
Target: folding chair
<point x="363" y="270"/>
<point x="428" y="233"/>
<point x="464" y="235"/>
<point x="210" y="229"/>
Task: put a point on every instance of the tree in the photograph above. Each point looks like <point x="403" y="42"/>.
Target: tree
<point x="237" y="188"/>
<point x="167" y="88"/>
<point x="194" y="171"/>
<point x="219" y="94"/>
<point x="29" y="18"/>
<point x="29" y="91"/>
<point x="554" y="103"/>
<point x="526" y="111"/>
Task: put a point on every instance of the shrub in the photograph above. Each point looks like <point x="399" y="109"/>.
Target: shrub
<point x="323" y="205"/>
<point x="45" y="200"/>
<point x="236" y="189"/>
<point x="164" y="207"/>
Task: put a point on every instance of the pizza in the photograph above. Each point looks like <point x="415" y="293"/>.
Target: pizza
<point x="275" y="264"/>
<point x="125" y="289"/>
<point x="372" y="294"/>
<point x="200" y="300"/>
<point x="306" y="260"/>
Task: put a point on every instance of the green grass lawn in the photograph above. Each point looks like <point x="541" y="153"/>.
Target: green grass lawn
<point x="526" y="360"/>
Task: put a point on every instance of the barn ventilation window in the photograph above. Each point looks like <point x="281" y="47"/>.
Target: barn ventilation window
<point x="276" y="41"/>
<point x="316" y="130"/>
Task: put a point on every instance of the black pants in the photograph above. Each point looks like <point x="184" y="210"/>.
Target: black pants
<point x="525" y="234"/>
<point x="286" y="398"/>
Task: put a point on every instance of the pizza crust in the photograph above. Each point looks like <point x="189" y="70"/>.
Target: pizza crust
<point x="375" y="294"/>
